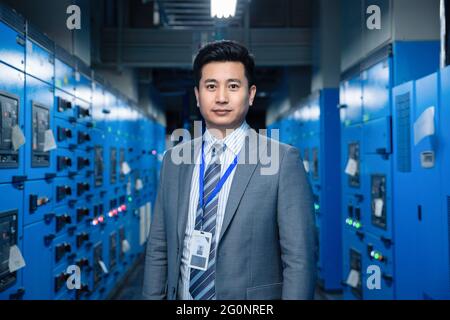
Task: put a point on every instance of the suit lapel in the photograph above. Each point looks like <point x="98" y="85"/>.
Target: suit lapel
<point x="184" y="190"/>
<point x="240" y="182"/>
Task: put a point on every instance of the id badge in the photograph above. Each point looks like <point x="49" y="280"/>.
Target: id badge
<point x="199" y="250"/>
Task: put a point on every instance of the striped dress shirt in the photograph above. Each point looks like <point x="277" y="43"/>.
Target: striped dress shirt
<point x="233" y="142"/>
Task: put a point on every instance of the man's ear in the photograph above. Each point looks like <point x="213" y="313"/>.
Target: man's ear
<point x="251" y="96"/>
<point x="197" y="96"/>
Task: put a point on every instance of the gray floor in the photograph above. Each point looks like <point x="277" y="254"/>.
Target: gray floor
<point x="132" y="287"/>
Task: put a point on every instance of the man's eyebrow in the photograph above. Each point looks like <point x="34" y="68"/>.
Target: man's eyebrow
<point x="229" y="80"/>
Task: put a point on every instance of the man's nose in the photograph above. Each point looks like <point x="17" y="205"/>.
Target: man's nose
<point x="221" y="95"/>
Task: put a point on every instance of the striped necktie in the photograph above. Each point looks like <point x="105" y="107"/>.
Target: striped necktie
<point x="202" y="283"/>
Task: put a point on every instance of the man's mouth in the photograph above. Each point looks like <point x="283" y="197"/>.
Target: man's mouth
<point x="221" y="111"/>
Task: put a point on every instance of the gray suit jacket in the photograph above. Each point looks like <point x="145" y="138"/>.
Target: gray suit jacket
<point x="266" y="246"/>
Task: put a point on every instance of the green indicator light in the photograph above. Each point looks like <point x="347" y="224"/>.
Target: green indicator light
<point x="358" y="225"/>
<point x="376" y="256"/>
<point x="316" y="206"/>
<point x="130" y="199"/>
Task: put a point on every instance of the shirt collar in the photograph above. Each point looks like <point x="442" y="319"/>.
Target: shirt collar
<point x="233" y="141"/>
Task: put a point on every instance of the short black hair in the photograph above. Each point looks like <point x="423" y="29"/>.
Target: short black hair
<point x="223" y="51"/>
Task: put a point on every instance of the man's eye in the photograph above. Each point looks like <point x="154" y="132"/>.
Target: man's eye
<point x="234" y="86"/>
<point x="210" y="86"/>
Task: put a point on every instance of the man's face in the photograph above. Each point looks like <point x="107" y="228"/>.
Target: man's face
<point x="223" y="95"/>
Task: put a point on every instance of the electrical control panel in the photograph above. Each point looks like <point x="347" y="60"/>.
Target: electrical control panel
<point x="40" y="126"/>
<point x="9" y="118"/>
<point x="8" y="239"/>
<point x="66" y="208"/>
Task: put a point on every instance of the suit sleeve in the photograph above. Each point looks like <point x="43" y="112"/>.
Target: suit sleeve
<point x="155" y="275"/>
<point x="296" y="229"/>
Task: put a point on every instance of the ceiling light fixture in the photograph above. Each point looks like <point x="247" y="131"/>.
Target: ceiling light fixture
<point x="223" y="8"/>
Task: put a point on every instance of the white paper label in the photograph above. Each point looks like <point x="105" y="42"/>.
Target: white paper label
<point x="16" y="260"/>
<point x="125" y="246"/>
<point x="18" y="138"/>
<point x="142" y="226"/>
<point x="77" y="76"/>
<point x="353" y="278"/>
<point x="306" y="165"/>
<point x="424" y="125"/>
<point x="352" y="167"/>
<point x="103" y="266"/>
<point x="139" y="184"/>
<point x="378" y="207"/>
<point x="125" y="168"/>
<point x="49" y="141"/>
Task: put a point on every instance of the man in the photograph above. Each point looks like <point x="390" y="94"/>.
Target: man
<point x="222" y="229"/>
